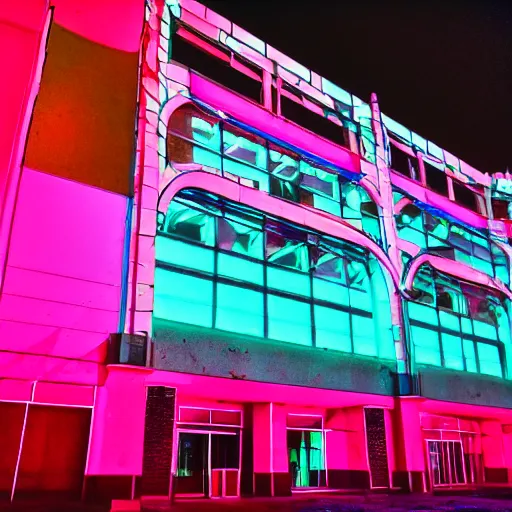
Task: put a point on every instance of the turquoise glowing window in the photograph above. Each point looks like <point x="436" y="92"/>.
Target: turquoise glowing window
<point x="183" y="298"/>
<point x="289" y="320"/>
<point x="461" y="317"/>
<point x="450" y="240"/>
<point x="239" y="310"/>
<point x="224" y="266"/>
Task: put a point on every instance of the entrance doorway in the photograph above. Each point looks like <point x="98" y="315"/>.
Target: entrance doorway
<point x="305" y="452"/>
<point x="447" y="464"/>
<point x="453" y="451"/>
<point x="208" y="464"/>
<point x="192" y="472"/>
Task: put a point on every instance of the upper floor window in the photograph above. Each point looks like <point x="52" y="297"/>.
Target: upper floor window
<point x="327" y="126"/>
<point x="406" y="161"/>
<point x="221" y="265"/>
<point x="456" y="324"/>
<point x="453" y="241"/>
<point x="403" y="162"/>
<point x="195" y="137"/>
<point x="219" y="64"/>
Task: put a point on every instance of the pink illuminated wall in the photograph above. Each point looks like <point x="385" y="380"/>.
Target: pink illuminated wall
<point x="61" y="263"/>
<point x="61" y="295"/>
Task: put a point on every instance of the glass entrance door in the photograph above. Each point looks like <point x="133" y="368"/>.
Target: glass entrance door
<point x="192" y="476"/>
<point x="446" y="460"/>
<point x="208" y="465"/>
<point x="305" y="456"/>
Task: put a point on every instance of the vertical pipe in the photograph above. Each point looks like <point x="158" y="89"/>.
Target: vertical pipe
<point x="209" y="468"/>
<point x="271" y="450"/>
<point x="239" y="460"/>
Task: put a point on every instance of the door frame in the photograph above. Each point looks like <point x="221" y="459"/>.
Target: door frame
<point x="208" y="433"/>
<point x="390" y="473"/>
<point x="324" y="451"/>
<point x="430" y="470"/>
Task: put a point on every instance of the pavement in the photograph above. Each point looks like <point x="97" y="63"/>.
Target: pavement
<point x="301" y="503"/>
<point x="341" y="503"/>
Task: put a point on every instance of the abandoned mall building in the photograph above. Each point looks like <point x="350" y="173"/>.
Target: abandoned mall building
<point x="243" y="279"/>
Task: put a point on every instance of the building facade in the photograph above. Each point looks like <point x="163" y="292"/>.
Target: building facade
<point x="243" y="280"/>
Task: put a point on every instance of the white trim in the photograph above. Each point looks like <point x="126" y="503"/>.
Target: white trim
<point x="22" y="439"/>
<point x="47" y="404"/>
<point x="89" y="441"/>
<point x="271" y="438"/>
<point x="389" y="486"/>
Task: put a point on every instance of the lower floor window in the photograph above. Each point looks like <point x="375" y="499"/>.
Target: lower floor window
<point x="181" y="297"/>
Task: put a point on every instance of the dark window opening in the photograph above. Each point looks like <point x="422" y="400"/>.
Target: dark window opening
<point x="500" y="209"/>
<point x="403" y="163"/>
<point x="444" y="301"/>
<point x="436" y="179"/>
<point x="317" y="124"/>
<point x="215" y="69"/>
<point x="225" y="451"/>
<point x="465" y="197"/>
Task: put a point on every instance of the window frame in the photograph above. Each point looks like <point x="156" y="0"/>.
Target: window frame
<point x="342" y="249"/>
<point x="461" y="333"/>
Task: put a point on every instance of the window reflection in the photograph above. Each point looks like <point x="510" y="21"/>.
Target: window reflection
<point x="449" y="240"/>
<point x="195" y="137"/>
<point x="451" y="321"/>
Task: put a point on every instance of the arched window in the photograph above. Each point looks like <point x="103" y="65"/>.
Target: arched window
<point x="454" y="241"/>
<point x="456" y="324"/>
<point x="197" y="138"/>
<point x="221" y="265"/>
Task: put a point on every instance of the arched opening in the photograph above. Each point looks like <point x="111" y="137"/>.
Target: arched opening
<point x="456" y="324"/>
<point x="447" y="239"/>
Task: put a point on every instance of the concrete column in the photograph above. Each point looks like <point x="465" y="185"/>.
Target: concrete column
<point x="346" y="454"/>
<point x="270" y="453"/>
<point x="410" y="464"/>
<point x="507" y="449"/>
<point x="493" y="451"/>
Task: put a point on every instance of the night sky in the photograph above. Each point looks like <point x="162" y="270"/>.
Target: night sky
<point x="444" y="70"/>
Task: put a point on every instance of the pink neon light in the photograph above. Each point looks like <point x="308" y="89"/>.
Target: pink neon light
<point x="200" y="24"/>
<point x="15" y="390"/>
<point x="401" y="204"/>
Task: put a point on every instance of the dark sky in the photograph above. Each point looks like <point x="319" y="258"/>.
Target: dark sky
<point x="443" y="70"/>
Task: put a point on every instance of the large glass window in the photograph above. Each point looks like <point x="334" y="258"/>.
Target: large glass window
<point x="456" y="324"/>
<point x="222" y="266"/>
<point x="449" y="240"/>
<point x="196" y="138"/>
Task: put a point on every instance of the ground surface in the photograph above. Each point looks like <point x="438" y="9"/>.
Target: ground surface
<point x="306" y="503"/>
<point x="333" y="503"/>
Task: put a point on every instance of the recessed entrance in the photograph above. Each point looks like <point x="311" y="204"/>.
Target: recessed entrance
<point x="446" y="463"/>
<point x="453" y="450"/>
<point x="306" y="451"/>
<point x="208" y="465"/>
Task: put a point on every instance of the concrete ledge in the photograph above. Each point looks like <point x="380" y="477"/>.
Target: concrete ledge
<point x="190" y="349"/>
